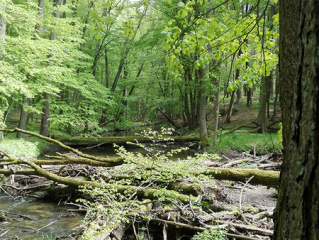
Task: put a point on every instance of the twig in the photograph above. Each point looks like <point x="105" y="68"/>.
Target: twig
<point x="46" y="226"/>
<point x="7" y="193"/>
<point x="241" y="192"/>
<point x="5" y="232"/>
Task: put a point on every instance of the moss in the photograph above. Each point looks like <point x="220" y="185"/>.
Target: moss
<point x="116" y="140"/>
<point x="204" y="141"/>
<point x="249" y="209"/>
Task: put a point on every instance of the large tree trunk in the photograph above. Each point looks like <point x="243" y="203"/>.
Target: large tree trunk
<point x="297" y="211"/>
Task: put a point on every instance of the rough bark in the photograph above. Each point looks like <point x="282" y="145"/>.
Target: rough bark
<point x="297" y="211"/>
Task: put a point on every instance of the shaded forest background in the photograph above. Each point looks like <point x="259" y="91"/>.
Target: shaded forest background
<point x="80" y="66"/>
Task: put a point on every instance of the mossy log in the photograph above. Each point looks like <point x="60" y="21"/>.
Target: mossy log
<point x="78" y="141"/>
<point x="149" y="193"/>
<point x="266" y="178"/>
<point x="79" y="153"/>
<point x="85" y="161"/>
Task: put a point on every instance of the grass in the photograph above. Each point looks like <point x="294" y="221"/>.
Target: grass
<point x="29" y="147"/>
<point x="243" y="142"/>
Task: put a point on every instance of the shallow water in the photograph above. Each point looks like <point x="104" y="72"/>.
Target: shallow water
<point x="29" y="219"/>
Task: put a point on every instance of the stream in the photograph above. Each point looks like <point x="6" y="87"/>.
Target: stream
<point x="32" y="219"/>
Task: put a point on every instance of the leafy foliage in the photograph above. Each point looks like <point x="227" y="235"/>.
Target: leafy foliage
<point x="152" y="170"/>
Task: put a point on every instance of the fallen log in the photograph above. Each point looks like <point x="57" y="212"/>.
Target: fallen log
<point x="79" y="153"/>
<point x="143" y="192"/>
<point x="266" y="178"/>
<point x="80" y="141"/>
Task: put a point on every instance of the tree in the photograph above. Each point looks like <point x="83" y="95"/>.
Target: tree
<point x="297" y="211"/>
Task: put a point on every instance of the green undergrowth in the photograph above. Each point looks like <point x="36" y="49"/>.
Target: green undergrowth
<point x="29" y="147"/>
<point x="246" y="142"/>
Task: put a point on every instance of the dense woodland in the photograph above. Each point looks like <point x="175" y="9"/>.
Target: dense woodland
<point x="82" y="68"/>
<point x="79" y="65"/>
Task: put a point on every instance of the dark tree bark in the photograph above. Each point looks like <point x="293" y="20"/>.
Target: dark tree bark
<point x="202" y="109"/>
<point x="297" y="211"/>
<point x="45" y="116"/>
<point x="249" y="96"/>
<point x="230" y="108"/>
<point x="23" y="117"/>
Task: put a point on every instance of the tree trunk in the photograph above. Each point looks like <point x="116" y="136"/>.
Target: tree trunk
<point x="45" y="116"/>
<point x="202" y="110"/>
<point x="249" y="96"/>
<point x="230" y="108"/>
<point x="3" y="25"/>
<point x="46" y="110"/>
<point x="23" y="117"/>
<point x="276" y="95"/>
<point x="297" y="211"/>
<point x="262" y="115"/>
<point x="216" y="105"/>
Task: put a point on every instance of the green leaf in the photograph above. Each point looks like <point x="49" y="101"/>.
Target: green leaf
<point x="181" y="4"/>
<point x="182" y="13"/>
<point x="98" y="37"/>
<point x="170" y="2"/>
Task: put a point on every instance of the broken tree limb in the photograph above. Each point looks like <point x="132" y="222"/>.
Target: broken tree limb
<point x="176" y="125"/>
<point x="60" y="144"/>
<point x="266" y="178"/>
<point x="68" y="161"/>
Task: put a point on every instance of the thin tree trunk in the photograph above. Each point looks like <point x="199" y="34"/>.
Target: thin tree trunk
<point x="202" y="109"/>
<point x="230" y="108"/>
<point x="107" y="74"/>
<point x="45" y="116"/>
<point x="276" y="95"/>
<point x="46" y="110"/>
<point x="216" y="105"/>
<point x="262" y="115"/>
<point x="23" y="117"/>
<point x="117" y="77"/>
<point x="3" y="26"/>
<point x="249" y="96"/>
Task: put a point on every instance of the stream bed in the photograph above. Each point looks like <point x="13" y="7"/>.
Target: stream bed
<point x="31" y="219"/>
